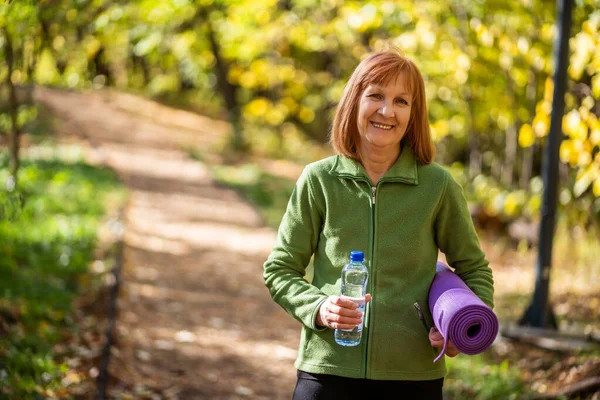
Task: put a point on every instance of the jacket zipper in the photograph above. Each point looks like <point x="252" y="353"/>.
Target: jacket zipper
<point x="421" y="317"/>
<point x="365" y="354"/>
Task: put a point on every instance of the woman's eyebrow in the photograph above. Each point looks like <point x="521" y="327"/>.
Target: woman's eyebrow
<point x="377" y="87"/>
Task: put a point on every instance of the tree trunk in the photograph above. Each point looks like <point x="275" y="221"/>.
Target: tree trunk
<point x="529" y="153"/>
<point x="228" y="91"/>
<point x="462" y="30"/>
<point x="527" y="167"/>
<point x="102" y="67"/>
<point x="14" y="134"/>
<point x="510" y="154"/>
<point x="475" y="157"/>
<point x="511" y="143"/>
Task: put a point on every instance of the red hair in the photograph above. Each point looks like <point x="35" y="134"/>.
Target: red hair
<point x="380" y="69"/>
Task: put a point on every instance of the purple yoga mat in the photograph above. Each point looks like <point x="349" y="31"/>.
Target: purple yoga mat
<point x="459" y="314"/>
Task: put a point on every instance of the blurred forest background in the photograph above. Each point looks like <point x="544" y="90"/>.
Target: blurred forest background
<point x="274" y="70"/>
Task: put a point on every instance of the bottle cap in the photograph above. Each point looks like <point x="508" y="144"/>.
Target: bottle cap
<point x="356" y="255"/>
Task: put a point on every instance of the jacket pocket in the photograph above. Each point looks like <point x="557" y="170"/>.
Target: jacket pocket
<point x="421" y="316"/>
<point x="424" y="323"/>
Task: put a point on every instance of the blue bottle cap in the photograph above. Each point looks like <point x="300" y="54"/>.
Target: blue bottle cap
<point x="356" y="255"/>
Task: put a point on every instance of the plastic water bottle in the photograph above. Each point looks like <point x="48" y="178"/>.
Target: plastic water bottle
<point x="354" y="287"/>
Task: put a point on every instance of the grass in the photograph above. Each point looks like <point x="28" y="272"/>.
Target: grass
<point x="477" y="377"/>
<point x="46" y="250"/>
<point x="268" y="192"/>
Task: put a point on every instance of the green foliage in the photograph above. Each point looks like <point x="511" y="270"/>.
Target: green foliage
<point x="44" y="258"/>
<point x="269" y="193"/>
<point x="276" y="67"/>
<point x="476" y="377"/>
<point x="10" y="205"/>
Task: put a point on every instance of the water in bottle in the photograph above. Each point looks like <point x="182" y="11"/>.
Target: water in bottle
<point x="354" y="286"/>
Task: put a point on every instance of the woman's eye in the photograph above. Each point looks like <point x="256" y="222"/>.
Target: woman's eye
<point x="401" y="101"/>
<point x="375" y="96"/>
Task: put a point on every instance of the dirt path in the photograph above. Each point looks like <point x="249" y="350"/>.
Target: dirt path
<point x="195" y="320"/>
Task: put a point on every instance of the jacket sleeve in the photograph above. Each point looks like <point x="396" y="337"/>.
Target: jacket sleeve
<point x="456" y="237"/>
<point x="297" y="240"/>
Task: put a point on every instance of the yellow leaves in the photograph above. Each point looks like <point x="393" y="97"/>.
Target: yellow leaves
<point x="439" y="130"/>
<point x="485" y="37"/>
<point x="91" y="46"/>
<point x="526" y="137"/>
<point x="235" y="72"/>
<point x="513" y="202"/>
<point x="590" y="26"/>
<point x="263" y="110"/>
<point x="290" y="104"/>
<point x="506" y="61"/>
<point x="364" y="19"/>
<point x="523" y="45"/>
<point x="306" y="115"/>
<point x="46" y="71"/>
<point x="541" y="124"/>
<point x="583" y="46"/>
<point x="407" y="41"/>
<point x="596" y="187"/>
<point x="276" y="115"/>
<point x="536" y="58"/>
<point x="444" y="93"/>
<point x="182" y="44"/>
<point x="287" y="72"/>
<point x="596" y="85"/>
<point x="257" y="76"/>
<point x="567" y="152"/>
<point x="72" y="377"/>
<point x="573" y="126"/>
<point x="547" y="32"/>
<point x="263" y="17"/>
<point x="548" y="89"/>
<point x="576" y="152"/>
<point x="71" y="14"/>
<point x="534" y="205"/>
<point x="335" y="91"/>
<point x="585" y="177"/>
<point x="587" y="103"/>
<point x="463" y="62"/>
<point x="257" y="108"/>
<point x="595" y="133"/>
<point x="505" y="43"/>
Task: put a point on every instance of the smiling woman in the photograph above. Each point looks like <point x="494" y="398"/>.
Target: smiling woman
<point x="381" y="194"/>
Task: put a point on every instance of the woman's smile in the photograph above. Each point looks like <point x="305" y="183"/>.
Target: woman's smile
<point x="382" y="126"/>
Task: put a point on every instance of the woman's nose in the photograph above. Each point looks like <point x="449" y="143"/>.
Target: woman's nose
<point x="386" y="110"/>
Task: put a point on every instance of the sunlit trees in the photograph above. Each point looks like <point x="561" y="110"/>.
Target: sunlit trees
<point x="276" y="70"/>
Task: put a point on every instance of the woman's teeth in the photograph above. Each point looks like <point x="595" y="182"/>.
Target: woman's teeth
<point x="382" y="126"/>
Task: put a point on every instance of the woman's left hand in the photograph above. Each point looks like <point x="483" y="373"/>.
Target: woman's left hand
<point x="437" y="340"/>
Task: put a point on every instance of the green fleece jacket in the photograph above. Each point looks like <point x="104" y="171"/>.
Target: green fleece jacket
<point x="400" y="224"/>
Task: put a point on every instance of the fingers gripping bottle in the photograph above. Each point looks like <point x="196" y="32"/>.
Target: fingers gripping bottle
<point x="354" y="287"/>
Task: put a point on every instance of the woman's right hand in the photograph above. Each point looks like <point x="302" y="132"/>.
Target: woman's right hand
<point x="339" y="312"/>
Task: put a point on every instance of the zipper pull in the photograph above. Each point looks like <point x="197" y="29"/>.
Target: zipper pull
<point x="418" y="307"/>
<point x="373" y="190"/>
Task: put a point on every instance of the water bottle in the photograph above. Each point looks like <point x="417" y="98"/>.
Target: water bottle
<point x="354" y="287"/>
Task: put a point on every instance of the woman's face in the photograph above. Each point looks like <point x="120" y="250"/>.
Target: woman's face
<point x="383" y="114"/>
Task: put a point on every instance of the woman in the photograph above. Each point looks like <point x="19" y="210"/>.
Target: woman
<point x="382" y="194"/>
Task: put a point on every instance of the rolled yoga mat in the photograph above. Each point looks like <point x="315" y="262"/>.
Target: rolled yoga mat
<point x="459" y="314"/>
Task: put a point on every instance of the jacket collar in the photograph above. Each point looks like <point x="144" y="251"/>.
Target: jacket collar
<point x="404" y="170"/>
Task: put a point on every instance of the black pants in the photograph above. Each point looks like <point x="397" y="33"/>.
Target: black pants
<point x="311" y="386"/>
